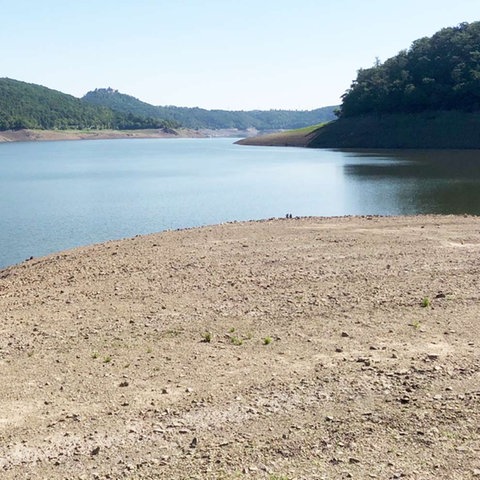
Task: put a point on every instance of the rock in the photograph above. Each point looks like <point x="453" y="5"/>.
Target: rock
<point x="95" y="451"/>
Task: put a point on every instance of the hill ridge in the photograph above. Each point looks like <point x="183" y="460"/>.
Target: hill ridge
<point x="30" y="106"/>
<point x="200" y="118"/>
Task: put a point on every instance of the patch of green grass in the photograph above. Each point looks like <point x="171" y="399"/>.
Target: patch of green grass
<point x="232" y="330"/>
<point x="306" y="130"/>
<point x="107" y="359"/>
<point x="416" y="324"/>
<point x="94" y="355"/>
<point x="207" y="337"/>
<point x="426" y="302"/>
<point x="236" y="341"/>
<point x="267" y="340"/>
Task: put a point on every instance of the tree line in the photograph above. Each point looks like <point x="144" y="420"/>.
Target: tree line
<point x="25" y="105"/>
<point x="441" y="72"/>
<point x="197" y="118"/>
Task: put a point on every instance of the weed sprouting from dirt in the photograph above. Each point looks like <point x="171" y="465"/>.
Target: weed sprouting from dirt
<point x="207" y="337"/>
<point x="426" y="302"/>
<point x="416" y="324"/>
<point x="236" y="341"/>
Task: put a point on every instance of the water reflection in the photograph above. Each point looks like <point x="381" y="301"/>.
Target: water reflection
<point x="417" y="181"/>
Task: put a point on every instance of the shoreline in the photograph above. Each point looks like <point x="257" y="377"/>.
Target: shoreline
<point x="279" y="348"/>
<point x="435" y="130"/>
<point x="28" y="135"/>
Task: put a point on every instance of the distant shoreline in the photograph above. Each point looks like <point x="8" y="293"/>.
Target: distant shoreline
<point x="425" y="130"/>
<point x="62" y="135"/>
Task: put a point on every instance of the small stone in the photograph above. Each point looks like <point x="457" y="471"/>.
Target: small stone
<point x="345" y="335"/>
<point x="95" y="451"/>
<point x="339" y="349"/>
<point x="123" y="384"/>
<point x="194" y="442"/>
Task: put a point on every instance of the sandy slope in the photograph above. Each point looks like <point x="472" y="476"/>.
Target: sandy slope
<point x="55" y="135"/>
<point x="104" y="373"/>
<point x="51" y="135"/>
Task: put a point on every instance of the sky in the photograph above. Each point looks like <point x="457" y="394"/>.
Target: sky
<point x="226" y="54"/>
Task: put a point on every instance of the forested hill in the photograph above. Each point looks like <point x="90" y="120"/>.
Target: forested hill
<point x="425" y="97"/>
<point x="214" y="119"/>
<point x="441" y="72"/>
<point x="26" y="105"/>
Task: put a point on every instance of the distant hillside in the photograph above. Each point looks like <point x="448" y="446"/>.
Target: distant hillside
<point x="26" y="105"/>
<point x="213" y="119"/>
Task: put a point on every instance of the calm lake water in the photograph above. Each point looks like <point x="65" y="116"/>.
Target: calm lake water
<point x="58" y="195"/>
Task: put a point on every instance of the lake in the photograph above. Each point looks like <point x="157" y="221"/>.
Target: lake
<point x="58" y="195"/>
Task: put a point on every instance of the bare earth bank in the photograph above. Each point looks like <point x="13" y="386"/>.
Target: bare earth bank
<point x="58" y="135"/>
<point x="340" y="348"/>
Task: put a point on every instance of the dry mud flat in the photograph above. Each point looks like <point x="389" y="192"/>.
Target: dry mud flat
<point x="372" y="371"/>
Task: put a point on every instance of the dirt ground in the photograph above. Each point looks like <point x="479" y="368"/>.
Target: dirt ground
<point x="56" y="135"/>
<point x="59" y="135"/>
<point x="306" y="348"/>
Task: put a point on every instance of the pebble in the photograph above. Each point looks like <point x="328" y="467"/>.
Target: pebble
<point x="95" y="451"/>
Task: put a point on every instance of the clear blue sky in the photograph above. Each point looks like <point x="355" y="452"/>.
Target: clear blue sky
<point x="231" y="54"/>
